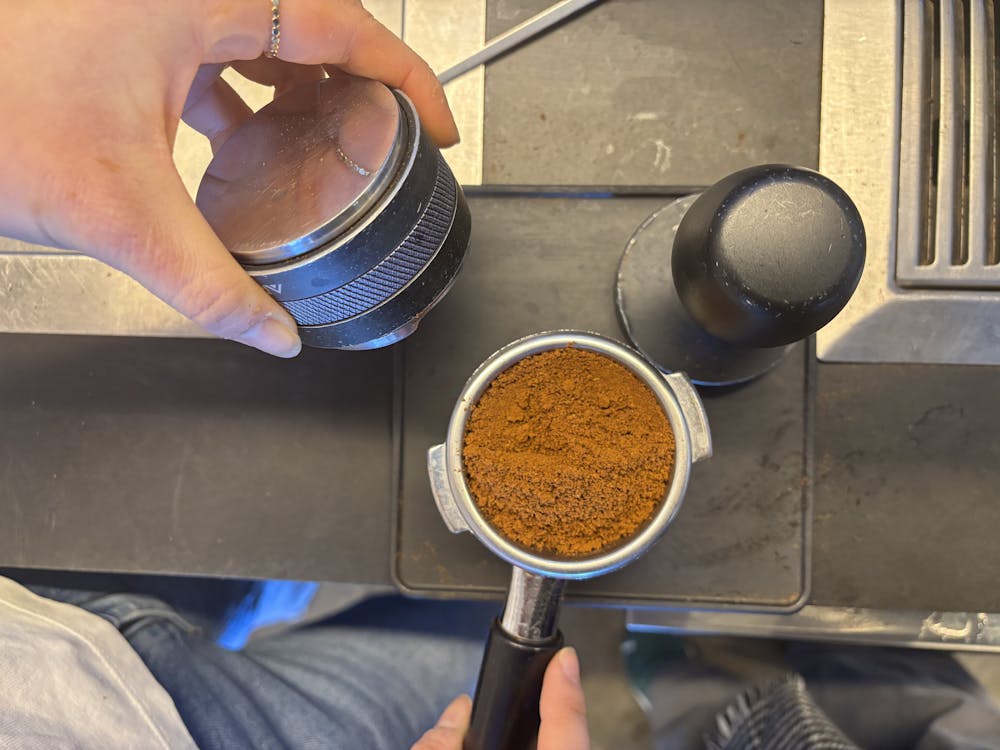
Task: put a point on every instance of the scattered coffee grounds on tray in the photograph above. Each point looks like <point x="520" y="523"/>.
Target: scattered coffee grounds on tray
<point x="567" y="453"/>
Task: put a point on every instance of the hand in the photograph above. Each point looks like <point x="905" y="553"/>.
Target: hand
<point x="564" y="714"/>
<point x="91" y="95"/>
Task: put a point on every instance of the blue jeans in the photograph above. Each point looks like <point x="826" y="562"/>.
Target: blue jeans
<point x="374" y="677"/>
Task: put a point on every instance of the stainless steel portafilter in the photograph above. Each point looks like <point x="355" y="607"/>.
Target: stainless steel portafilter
<point x="522" y="642"/>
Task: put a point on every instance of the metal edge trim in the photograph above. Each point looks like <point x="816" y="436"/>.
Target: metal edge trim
<point x="951" y="631"/>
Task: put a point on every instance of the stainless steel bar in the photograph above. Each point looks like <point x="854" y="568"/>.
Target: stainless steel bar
<point x="949" y="140"/>
<point x="521" y="33"/>
<point x="952" y="631"/>
<point x="532" y="605"/>
<point x="980" y="134"/>
<point x="913" y="148"/>
<point x="441" y="31"/>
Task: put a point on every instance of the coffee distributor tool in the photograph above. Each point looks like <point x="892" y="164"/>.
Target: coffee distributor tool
<point x="524" y="639"/>
<point x="335" y="200"/>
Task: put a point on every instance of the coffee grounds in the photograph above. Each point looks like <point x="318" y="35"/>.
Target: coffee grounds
<point x="567" y="453"/>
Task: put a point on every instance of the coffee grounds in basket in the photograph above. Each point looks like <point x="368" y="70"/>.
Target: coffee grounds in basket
<point x="567" y="453"/>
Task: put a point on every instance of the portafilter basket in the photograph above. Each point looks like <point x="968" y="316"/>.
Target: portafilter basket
<point x="523" y="641"/>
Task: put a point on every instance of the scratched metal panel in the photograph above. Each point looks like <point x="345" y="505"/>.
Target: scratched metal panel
<point x="52" y="292"/>
<point x="866" y="146"/>
<point x="444" y="32"/>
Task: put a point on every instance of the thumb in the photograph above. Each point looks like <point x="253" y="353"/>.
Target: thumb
<point x="447" y="734"/>
<point x="563" y="712"/>
<point x="161" y="240"/>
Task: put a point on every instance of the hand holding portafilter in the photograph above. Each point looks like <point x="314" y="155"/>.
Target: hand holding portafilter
<point x="505" y="713"/>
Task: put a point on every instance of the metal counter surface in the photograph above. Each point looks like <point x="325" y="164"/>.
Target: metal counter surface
<point x="199" y="457"/>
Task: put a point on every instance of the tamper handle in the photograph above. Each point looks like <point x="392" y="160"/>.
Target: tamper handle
<point x="768" y="255"/>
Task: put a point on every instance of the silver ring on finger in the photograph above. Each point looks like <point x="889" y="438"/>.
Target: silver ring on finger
<point x="275" y="43"/>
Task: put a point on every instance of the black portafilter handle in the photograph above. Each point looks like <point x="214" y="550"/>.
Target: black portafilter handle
<point x="505" y="710"/>
<point x="768" y="255"/>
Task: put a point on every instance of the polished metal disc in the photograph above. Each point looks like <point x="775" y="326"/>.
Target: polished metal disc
<point x="303" y="169"/>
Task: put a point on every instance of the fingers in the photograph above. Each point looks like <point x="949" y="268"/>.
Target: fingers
<point x="213" y="108"/>
<point x="562" y="708"/>
<point x="284" y="76"/>
<point x="344" y="34"/>
<point x="153" y="232"/>
<point x="450" y="730"/>
<point x="330" y="32"/>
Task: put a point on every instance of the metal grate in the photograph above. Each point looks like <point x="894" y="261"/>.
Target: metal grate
<point x="948" y="163"/>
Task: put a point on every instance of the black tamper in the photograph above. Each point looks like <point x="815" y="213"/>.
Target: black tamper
<point x="720" y="284"/>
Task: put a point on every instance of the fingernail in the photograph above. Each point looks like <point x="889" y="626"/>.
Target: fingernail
<point x="570" y="664"/>
<point x="274" y="336"/>
<point x="457" y="713"/>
